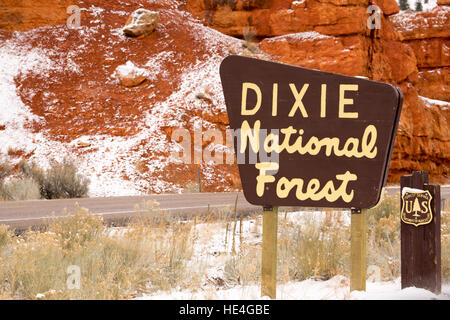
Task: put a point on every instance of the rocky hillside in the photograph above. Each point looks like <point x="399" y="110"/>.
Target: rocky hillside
<point x="61" y="95"/>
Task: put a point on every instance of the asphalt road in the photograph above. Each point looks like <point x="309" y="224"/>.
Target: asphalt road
<point x="21" y="215"/>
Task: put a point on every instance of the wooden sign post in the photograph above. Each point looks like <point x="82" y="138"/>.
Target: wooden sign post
<point x="309" y="138"/>
<point x="420" y="232"/>
<point x="269" y="253"/>
<point x="358" y="250"/>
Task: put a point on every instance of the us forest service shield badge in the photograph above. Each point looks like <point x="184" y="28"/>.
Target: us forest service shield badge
<point x="416" y="207"/>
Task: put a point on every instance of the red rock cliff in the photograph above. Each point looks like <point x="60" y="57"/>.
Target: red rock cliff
<point x="29" y="14"/>
<point x="410" y="50"/>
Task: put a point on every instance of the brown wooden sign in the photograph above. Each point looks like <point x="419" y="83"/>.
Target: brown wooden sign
<point x="416" y="207"/>
<point x="309" y="138"/>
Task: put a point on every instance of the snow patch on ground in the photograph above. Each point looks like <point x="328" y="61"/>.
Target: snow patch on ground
<point x="211" y="253"/>
<point x="155" y="64"/>
<point x="16" y="59"/>
<point x="336" y="288"/>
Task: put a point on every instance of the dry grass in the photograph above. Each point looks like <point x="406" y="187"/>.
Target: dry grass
<point x="320" y="248"/>
<point x="445" y="244"/>
<point x="315" y="248"/>
<point x="384" y="237"/>
<point x="143" y="258"/>
<point x="20" y="189"/>
<point x="243" y="268"/>
<point x="157" y="252"/>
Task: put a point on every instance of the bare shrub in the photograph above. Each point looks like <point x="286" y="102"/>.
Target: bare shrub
<point x="21" y="189"/>
<point x="169" y="246"/>
<point x="250" y="40"/>
<point x="62" y="180"/>
<point x="76" y="230"/>
<point x="388" y="206"/>
<point x="5" y="170"/>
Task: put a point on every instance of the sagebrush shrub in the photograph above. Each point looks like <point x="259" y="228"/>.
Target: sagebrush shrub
<point x="62" y="180"/>
<point x="5" y="169"/>
<point x="21" y="189"/>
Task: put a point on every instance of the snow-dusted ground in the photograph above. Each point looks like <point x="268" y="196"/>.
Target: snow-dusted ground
<point x="337" y="288"/>
<point x="211" y="252"/>
<point x="113" y="155"/>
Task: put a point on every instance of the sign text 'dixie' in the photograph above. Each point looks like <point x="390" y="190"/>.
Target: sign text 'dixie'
<point x="332" y="135"/>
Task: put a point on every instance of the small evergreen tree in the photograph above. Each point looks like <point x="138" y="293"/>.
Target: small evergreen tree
<point x="419" y="6"/>
<point x="403" y="4"/>
<point x="416" y="208"/>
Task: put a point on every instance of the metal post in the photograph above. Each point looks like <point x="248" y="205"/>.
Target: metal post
<point x="199" y="179"/>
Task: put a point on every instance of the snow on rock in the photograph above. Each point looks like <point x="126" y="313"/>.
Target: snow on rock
<point x="442" y="104"/>
<point x="422" y="25"/>
<point x="298" y="4"/>
<point x="301" y="36"/>
<point x="129" y="75"/>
